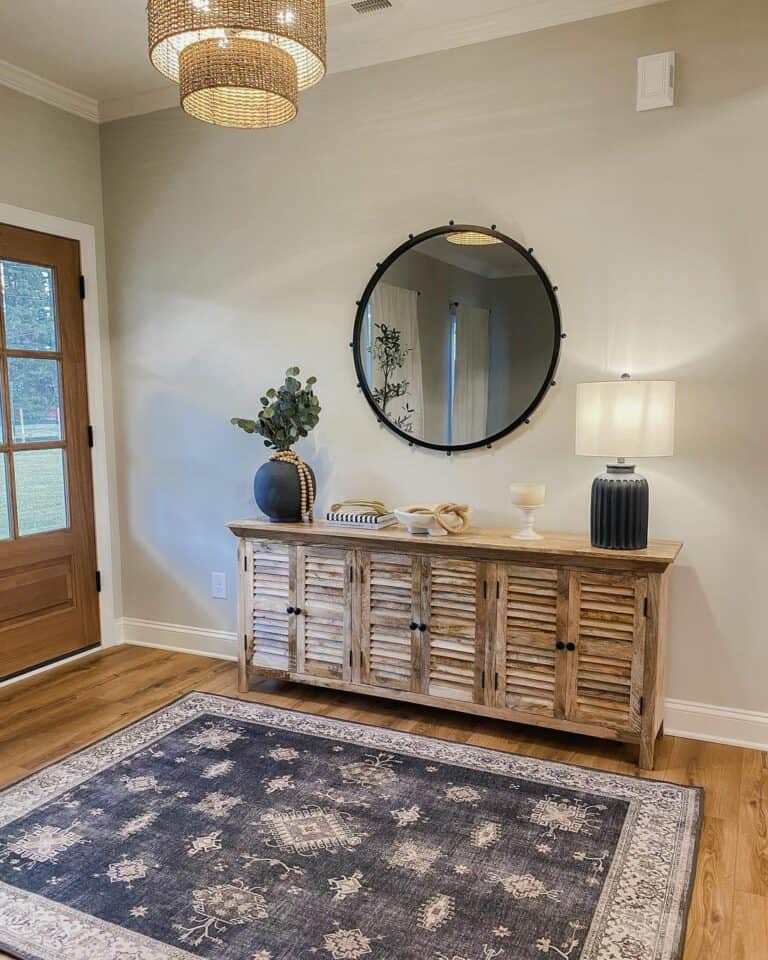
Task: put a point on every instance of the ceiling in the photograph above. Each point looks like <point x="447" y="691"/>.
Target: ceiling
<point x="90" y="56"/>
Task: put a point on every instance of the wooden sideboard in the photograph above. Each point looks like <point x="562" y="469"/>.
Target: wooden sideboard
<point x="549" y="632"/>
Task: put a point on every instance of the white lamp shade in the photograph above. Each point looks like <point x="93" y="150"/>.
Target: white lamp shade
<point x="625" y="418"/>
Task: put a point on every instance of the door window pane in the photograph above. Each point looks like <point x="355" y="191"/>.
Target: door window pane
<point x="41" y="491"/>
<point x="5" y="522"/>
<point x="28" y="306"/>
<point x="35" y="399"/>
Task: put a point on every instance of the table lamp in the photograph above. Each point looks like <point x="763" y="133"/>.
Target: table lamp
<point x="623" y="419"/>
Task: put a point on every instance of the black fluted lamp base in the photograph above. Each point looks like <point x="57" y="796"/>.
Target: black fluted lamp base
<point x="620" y="509"/>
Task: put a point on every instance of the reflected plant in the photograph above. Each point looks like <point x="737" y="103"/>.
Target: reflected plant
<point x="390" y="355"/>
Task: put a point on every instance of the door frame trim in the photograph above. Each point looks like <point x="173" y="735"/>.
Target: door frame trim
<point x="100" y="412"/>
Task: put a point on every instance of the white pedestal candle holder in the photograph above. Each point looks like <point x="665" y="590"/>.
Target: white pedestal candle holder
<point x="527" y="497"/>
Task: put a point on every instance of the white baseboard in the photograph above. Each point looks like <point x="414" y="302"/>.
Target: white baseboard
<point x="219" y="644"/>
<point x="702" y="721"/>
<point x="694" y="721"/>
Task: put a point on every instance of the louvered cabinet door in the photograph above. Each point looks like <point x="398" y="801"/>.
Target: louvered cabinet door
<point x="324" y="612"/>
<point x="531" y="664"/>
<point x="271" y="569"/>
<point x="606" y="631"/>
<point x="452" y="597"/>
<point x="390" y="604"/>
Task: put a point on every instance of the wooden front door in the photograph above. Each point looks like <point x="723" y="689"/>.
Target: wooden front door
<point x="48" y="581"/>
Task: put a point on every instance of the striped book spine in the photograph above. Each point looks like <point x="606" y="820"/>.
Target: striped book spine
<point x="361" y="519"/>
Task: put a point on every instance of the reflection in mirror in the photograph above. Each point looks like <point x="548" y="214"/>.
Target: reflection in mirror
<point x="458" y="339"/>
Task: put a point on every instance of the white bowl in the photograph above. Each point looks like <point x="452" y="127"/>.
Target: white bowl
<point x="418" y="524"/>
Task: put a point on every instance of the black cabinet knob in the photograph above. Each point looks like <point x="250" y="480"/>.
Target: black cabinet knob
<point x="560" y="645"/>
<point x="422" y="627"/>
<point x="297" y="610"/>
<point x="570" y="646"/>
<point x="290" y="610"/>
<point x="413" y="625"/>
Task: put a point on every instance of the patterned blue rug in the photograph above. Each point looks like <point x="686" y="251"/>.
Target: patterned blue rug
<point x="230" y="830"/>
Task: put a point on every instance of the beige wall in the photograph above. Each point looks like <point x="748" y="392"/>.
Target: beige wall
<point x="49" y="160"/>
<point x="234" y="254"/>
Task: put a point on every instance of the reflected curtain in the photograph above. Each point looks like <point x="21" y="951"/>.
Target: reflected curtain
<point x="397" y="309"/>
<point x="470" y="383"/>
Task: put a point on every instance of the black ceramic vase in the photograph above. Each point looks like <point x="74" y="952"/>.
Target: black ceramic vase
<point x="620" y="509"/>
<point x="277" y="491"/>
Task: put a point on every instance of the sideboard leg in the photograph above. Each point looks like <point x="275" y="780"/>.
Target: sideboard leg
<point x="243" y="680"/>
<point x="647" y="751"/>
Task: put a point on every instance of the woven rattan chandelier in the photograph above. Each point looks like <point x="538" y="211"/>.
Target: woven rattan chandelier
<point x="239" y="63"/>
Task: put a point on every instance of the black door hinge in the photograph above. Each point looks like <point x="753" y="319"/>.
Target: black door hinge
<point x="645" y="607"/>
<point x="245" y="562"/>
<point x="482" y="681"/>
<point x="98" y="581"/>
<point x="82" y="287"/>
<point x="90" y="435"/>
<point x="642" y="705"/>
<point x="245" y="642"/>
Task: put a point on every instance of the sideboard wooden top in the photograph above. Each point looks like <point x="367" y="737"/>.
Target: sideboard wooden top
<point x="491" y="543"/>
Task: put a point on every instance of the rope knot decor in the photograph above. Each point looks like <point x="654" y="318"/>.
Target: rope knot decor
<point x="452" y="517"/>
<point x="305" y="482"/>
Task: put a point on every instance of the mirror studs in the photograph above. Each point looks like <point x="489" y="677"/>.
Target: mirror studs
<point x="358" y="303"/>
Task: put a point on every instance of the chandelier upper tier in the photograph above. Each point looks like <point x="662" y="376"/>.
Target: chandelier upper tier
<point x="239" y="63"/>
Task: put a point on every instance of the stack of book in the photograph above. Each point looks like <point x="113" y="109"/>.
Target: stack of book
<point x="367" y="514"/>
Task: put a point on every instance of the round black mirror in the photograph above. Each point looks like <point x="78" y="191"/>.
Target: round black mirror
<point x="457" y="338"/>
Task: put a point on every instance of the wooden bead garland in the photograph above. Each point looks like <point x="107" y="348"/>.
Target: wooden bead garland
<point x="305" y="482"/>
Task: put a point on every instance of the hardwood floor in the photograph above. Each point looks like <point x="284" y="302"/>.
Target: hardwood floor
<point x="48" y="716"/>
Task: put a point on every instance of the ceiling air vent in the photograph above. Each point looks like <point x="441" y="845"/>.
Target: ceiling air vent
<point x="371" y="6"/>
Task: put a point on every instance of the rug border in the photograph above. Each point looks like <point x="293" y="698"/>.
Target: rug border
<point x="692" y="789"/>
<point x="358" y="723"/>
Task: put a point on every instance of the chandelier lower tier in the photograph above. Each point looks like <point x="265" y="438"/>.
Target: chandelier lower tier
<point x="239" y="63"/>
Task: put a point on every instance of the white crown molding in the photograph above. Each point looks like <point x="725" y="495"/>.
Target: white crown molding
<point x="51" y="93"/>
<point x="353" y="50"/>
<point x="138" y="104"/>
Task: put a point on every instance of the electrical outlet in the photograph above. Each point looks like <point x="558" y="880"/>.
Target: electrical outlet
<point x="219" y="586"/>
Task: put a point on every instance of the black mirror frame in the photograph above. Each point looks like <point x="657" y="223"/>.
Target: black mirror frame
<point x="362" y="306"/>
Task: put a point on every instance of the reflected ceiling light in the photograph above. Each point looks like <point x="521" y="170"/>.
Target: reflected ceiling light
<point x="469" y="238"/>
<point x="240" y="63"/>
